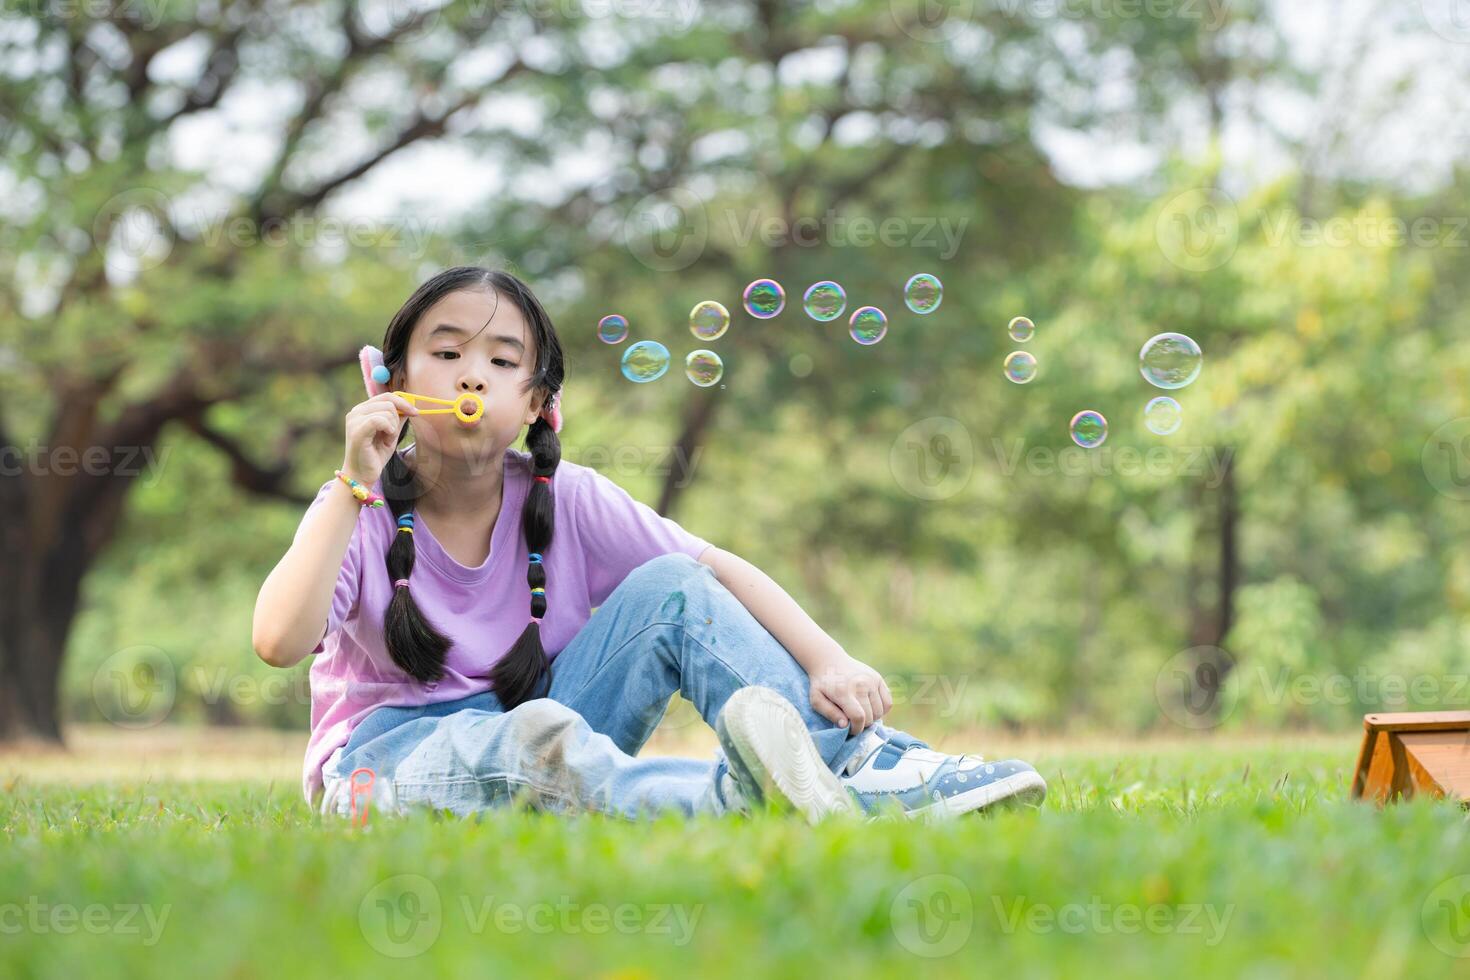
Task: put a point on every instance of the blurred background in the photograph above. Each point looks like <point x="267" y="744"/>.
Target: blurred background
<point x="207" y="208"/>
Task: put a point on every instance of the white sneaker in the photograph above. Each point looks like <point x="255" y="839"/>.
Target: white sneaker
<point x="905" y="774"/>
<point x="773" y="760"/>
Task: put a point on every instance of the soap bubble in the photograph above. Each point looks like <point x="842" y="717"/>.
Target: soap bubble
<point x="1089" y="429"/>
<point x="1020" y="366"/>
<point x="1021" y="329"/>
<point x="1170" y="360"/>
<point x="764" y="298"/>
<point x="867" y="325"/>
<point x="612" y="329"/>
<point x="922" y="293"/>
<point x="1163" y="415"/>
<point x="709" y="320"/>
<point x="704" y="367"/>
<point x="645" y="361"/>
<point x="824" y="301"/>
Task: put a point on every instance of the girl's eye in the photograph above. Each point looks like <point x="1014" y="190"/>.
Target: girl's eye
<point x="451" y="354"/>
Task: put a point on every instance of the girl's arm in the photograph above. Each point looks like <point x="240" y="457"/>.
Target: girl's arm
<point x="292" y="608"/>
<point x="844" y="690"/>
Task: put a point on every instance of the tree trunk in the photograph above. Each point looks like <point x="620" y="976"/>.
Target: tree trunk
<point x="698" y="414"/>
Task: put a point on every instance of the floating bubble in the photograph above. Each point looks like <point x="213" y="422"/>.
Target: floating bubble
<point x="645" y="361"/>
<point x="1020" y="366"/>
<point x="1089" y="429"/>
<point x="801" y="364"/>
<point x="867" y="325"/>
<point x="922" y="293"/>
<point x="1021" y="329"/>
<point x="612" y="329"/>
<point x="709" y="320"/>
<point x="1163" y="415"/>
<point x="824" y="301"/>
<point x="704" y="367"/>
<point x="1170" y="360"/>
<point x="764" y="298"/>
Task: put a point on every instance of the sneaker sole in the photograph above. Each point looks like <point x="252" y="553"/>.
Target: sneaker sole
<point x="1014" y="791"/>
<point x="770" y="748"/>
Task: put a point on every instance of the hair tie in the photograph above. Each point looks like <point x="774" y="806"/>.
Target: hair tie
<point x="543" y="479"/>
<point x="538" y="590"/>
<point x="400" y="583"/>
<point x="535" y="619"/>
<point x="535" y="558"/>
<point x="405" y="523"/>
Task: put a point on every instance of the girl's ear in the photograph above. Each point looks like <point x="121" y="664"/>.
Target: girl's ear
<point x="374" y="375"/>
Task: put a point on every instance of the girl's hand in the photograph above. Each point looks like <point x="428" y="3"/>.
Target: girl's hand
<point x="373" y="428"/>
<point x="849" y="692"/>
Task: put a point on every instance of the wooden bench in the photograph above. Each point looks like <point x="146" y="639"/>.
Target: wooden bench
<point x="1408" y="753"/>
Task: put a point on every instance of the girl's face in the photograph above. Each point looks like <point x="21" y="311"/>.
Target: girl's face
<point x="454" y="351"/>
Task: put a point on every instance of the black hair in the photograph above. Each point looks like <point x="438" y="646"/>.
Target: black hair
<point x="413" y="642"/>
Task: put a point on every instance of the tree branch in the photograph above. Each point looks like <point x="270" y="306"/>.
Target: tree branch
<point x="267" y="481"/>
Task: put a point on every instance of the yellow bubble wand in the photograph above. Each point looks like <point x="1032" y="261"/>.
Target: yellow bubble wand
<point x="468" y="407"/>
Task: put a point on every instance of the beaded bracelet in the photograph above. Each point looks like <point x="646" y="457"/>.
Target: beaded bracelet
<point x="362" y="493"/>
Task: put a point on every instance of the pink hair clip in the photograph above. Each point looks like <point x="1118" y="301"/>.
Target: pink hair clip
<point x="552" y="411"/>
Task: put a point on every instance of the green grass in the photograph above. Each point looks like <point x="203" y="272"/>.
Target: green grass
<point x="1214" y="859"/>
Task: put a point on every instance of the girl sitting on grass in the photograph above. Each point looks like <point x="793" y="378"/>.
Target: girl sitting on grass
<point x="462" y="687"/>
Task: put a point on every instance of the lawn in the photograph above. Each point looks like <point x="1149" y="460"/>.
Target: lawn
<point x="1208" y="857"/>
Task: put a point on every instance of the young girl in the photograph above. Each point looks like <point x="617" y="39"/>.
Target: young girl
<point x="452" y="609"/>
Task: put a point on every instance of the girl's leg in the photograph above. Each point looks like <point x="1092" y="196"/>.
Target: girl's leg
<point x="470" y="755"/>
<point x="672" y="626"/>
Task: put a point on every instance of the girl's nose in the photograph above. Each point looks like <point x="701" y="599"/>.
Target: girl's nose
<point x="471" y="383"/>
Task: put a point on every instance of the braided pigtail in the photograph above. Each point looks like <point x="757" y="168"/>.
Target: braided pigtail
<point x="522" y="673"/>
<point x="413" y="642"/>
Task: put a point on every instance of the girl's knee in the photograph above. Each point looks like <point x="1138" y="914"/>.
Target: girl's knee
<point x="666" y="573"/>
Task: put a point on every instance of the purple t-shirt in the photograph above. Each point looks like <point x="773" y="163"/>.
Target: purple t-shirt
<point x="600" y="535"/>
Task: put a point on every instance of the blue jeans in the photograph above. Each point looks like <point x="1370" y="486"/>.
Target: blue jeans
<point x="670" y="626"/>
